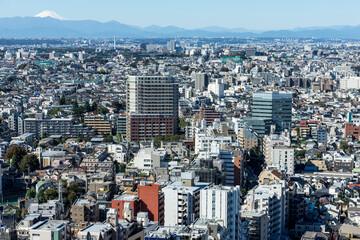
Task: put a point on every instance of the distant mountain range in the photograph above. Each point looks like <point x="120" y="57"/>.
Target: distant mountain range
<point x="48" y="24"/>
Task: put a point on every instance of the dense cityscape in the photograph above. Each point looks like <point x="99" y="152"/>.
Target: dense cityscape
<point x="179" y="138"/>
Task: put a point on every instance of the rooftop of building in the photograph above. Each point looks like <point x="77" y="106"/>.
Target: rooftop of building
<point x="127" y="196"/>
<point x="96" y="228"/>
<point x="347" y="228"/>
<point x="49" y="225"/>
<point x="84" y="201"/>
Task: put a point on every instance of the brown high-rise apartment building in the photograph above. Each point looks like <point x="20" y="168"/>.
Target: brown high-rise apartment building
<point x="152" y="107"/>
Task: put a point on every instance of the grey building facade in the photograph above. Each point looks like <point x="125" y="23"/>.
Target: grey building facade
<point x="55" y="126"/>
<point x="275" y="106"/>
<point x="201" y="81"/>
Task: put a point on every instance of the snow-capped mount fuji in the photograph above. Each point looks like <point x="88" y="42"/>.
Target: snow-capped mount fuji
<point x="49" y="13"/>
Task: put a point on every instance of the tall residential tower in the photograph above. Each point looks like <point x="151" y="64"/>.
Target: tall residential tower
<point x="152" y="107"/>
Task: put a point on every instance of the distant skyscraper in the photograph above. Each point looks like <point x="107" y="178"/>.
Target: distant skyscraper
<point x="275" y="106"/>
<point x="201" y="81"/>
<point x="152" y="107"/>
<point x="171" y="45"/>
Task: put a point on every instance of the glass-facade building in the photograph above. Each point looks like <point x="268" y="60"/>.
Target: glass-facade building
<point x="273" y="106"/>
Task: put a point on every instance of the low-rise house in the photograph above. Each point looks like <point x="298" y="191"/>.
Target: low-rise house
<point x="50" y="229"/>
<point x="52" y="209"/>
<point x="24" y="225"/>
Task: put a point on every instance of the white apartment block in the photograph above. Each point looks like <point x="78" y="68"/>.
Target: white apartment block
<point x="271" y="141"/>
<point x="118" y="152"/>
<point x="350" y="83"/>
<point x="179" y="204"/>
<point x="148" y="159"/>
<point x="272" y="200"/>
<point x="282" y="159"/>
<point x="216" y="88"/>
<point x="222" y="203"/>
<point x="203" y="142"/>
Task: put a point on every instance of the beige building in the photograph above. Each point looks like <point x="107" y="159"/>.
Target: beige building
<point x="84" y="210"/>
<point x="247" y="138"/>
<point x="98" y="162"/>
<point x="98" y="123"/>
<point x="320" y="163"/>
<point x="267" y="177"/>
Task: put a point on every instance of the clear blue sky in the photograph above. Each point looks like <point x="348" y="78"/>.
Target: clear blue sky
<point x="250" y="14"/>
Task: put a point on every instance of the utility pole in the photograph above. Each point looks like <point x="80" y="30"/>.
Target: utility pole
<point x="61" y="196"/>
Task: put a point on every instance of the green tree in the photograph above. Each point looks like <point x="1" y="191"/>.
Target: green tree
<point x="108" y="139"/>
<point x="122" y="167"/>
<point x="243" y="192"/>
<point x="15" y="154"/>
<point x="80" y="138"/>
<point x="74" y="186"/>
<point x="344" y="145"/>
<point x="41" y="196"/>
<point x="157" y="140"/>
<point x="43" y="135"/>
<point x="183" y="123"/>
<point x="50" y="194"/>
<point x="117" y="105"/>
<point x="31" y="193"/>
<point x="255" y="151"/>
<point x="62" y="100"/>
<point x="299" y="154"/>
<point x="76" y="110"/>
<point x="72" y="196"/>
<point x="53" y="112"/>
<point x="94" y="106"/>
<point x="29" y="161"/>
<point x="318" y="154"/>
<point x="87" y="107"/>
<point x="103" y="110"/>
